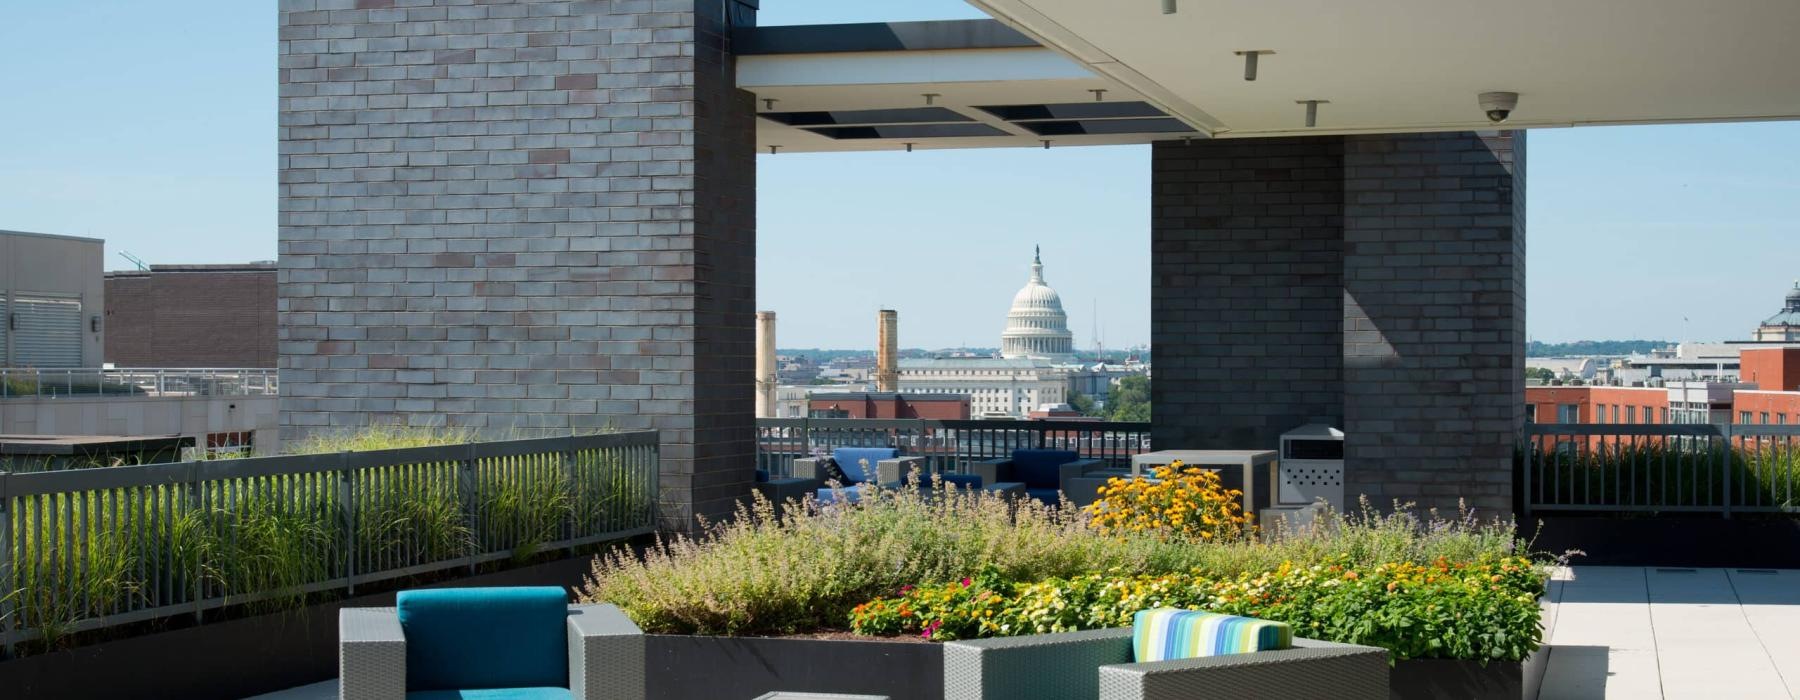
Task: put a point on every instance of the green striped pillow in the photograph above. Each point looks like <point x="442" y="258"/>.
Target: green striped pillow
<point x="1163" y="634"/>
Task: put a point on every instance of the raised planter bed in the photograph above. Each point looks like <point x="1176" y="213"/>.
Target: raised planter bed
<point x="706" y="668"/>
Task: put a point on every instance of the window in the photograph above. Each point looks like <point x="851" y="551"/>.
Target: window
<point x="1630" y="414"/>
<point x="1765" y="417"/>
<point x="1531" y="413"/>
<point x="1568" y="413"/>
<point x="1743" y="418"/>
<point x="1781" y="419"/>
<point x="1664" y="412"/>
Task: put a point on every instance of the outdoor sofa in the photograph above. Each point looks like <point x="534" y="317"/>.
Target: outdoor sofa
<point x="489" y="643"/>
<point x="883" y="467"/>
<point x="1045" y="473"/>
<point x="1100" y="664"/>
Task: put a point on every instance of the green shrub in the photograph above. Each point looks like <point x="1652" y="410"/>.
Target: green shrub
<point x="1484" y="610"/>
<point x="807" y="571"/>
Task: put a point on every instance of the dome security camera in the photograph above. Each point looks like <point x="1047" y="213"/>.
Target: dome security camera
<point x="1499" y="105"/>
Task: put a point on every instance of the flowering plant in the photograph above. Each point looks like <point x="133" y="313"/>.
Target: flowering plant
<point x="1484" y="610"/>
<point x="1179" y="502"/>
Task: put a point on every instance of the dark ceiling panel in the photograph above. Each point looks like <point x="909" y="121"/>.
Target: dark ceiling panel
<point x="866" y="116"/>
<point x="1107" y="126"/>
<point x="907" y="131"/>
<point x="1074" y="110"/>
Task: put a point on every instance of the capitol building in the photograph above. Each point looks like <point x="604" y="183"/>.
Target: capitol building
<point x="1036" y="327"/>
<point x="1032" y="370"/>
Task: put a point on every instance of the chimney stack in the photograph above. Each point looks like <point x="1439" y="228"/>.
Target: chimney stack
<point x="887" y="353"/>
<point x="767" y="378"/>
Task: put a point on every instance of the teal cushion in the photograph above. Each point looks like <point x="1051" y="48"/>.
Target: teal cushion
<point x="459" y="638"/>
<point x="851" y="459"/>
<point x="1163" y="634"/>
<point x="1039" y="469"/>
<point x="494" y="694"/>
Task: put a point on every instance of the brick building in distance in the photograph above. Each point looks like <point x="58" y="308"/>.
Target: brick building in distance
<point x="889" y="405"/>
<point x="192" y="316"/>
<point x="1767" y="393"/>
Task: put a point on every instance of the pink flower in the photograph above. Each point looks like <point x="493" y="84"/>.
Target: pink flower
<point x="967" y="582"/>
<point x="906" y="589"/>
<point x="933" y="627"/>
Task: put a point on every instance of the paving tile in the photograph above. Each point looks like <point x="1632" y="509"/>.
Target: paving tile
<point x="1705" y="646"/>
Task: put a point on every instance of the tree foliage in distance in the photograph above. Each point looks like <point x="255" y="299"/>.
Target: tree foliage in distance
<point x="1130" y="400"/>
<point x="1539" y="373"/>
<point x="1084" y="404"/>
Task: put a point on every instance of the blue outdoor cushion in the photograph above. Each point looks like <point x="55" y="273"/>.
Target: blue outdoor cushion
<point x="850" y="494"/>
<point x="962" y="481"/>
<point x="850" y="459"/>
<point x="494" y="694"/>
<point x="1038" y="468"/>
<point x="468" y="638"/>
<point x="762" y="476"/>
<point x="1049" y="497"/>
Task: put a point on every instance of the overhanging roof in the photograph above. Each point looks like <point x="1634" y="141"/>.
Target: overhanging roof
<point x="1387" y="66"/>
<point x="1418" y="65"/>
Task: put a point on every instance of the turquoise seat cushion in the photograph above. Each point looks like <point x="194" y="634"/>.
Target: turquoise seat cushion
<point x="1163" y="634"/>
<point x="463" y="638"/>
<point x="851" y="459"/>
<point x="1039" y="468"/>
<point x="494" y="694"/>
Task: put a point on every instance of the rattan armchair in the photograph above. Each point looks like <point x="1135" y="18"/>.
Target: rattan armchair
<point x="1098" y="664"/>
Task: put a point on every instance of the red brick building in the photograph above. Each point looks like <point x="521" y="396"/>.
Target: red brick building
<point x="1770" y="369"/>
<point x="1596" y="404"/>
<point x="192" y="316"/>
<point x="889" y="405"/>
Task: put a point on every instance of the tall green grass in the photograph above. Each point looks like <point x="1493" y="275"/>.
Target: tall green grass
<point x="759" y="574"/>
<point x="1666" y="472"/>
<point x="271" y="541"/>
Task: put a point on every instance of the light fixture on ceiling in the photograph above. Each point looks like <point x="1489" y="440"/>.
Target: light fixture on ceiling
<point x="1250" y="62"/>
<point x="1168" y="7"/>
<point x="769" y="104"/>
<point x="931" y="98"/>
<point x="909" y="147"/>
<point x="1312" y="110"/>
<point x="1099" y="94"/>
<point x="1046" y="144"/>
<point x="774" y="150"/>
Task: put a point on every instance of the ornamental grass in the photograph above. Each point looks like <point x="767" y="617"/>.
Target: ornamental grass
<point x="805" y="571"/>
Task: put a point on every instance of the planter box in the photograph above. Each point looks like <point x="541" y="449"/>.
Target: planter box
<point x="709" y="668"/>
<point x="706" y="668"/>
<point x="1443" y="678"/>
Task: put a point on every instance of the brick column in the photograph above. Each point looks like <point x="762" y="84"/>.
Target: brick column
<point x="1372" y="282"/>
<point x="1434" y="316"/>
<point x="522" y="215"/>
<point x="1247" y="290"/>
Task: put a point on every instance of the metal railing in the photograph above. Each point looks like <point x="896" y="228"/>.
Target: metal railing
<point x="1676" y="468"/>
<point x="30" y="382"/>
<point x="946" y="445"/>
<point x="92" y="548"/>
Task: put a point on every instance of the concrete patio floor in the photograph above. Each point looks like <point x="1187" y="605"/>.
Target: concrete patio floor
<point x="1638" y="633"/>
<point x="1627" y="632"/>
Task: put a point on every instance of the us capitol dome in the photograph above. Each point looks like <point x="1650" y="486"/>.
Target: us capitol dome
<point x="1036" y="327"/>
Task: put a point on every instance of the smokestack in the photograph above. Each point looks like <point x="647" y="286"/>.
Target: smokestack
<point x="766" y="376"/>
<point x="887" y="354"/>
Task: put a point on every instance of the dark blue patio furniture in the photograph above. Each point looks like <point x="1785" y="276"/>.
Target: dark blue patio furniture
<point x="489" y="644"/>
<point x="1045" y="473"/>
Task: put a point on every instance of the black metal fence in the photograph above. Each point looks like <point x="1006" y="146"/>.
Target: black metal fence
<point x="1703" y="468"/>
<point x="947" y="445"/>
<point x="90" y="548"/>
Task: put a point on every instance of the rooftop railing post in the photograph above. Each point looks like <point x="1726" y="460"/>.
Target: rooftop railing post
<point x="196" y="501"/>
<point x="347" y="518"/>
<point x="466" y="486"/>
<point x="1728" y="455"/>
<point x="7" y="584"/>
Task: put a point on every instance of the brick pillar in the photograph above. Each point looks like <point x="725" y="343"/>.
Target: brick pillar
<point x="1434" y="316"/>
<point x="1247" y="290"/>
<point x="1372" y="282"/>
<point x="510" y="216"/>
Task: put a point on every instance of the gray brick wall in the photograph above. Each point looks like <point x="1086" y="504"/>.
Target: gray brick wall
<point x="1247" y="289"/>
<point x="521" y="216"/>
<point x="1434" y="307"/>
<point x="1417" y="240"/>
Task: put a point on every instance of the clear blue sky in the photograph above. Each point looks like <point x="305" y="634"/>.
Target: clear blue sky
<point x="152" y="125"/>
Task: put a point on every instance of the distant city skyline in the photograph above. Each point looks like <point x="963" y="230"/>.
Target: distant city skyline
<point x="1630" y="229"/>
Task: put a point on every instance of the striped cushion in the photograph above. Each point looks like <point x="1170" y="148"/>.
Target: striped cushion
<point x="1163" y="634"/>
